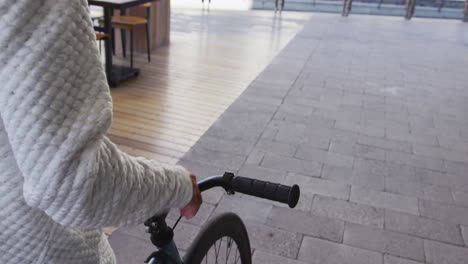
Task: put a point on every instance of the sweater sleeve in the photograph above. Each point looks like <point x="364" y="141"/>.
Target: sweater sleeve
<point x="56" y="108"/>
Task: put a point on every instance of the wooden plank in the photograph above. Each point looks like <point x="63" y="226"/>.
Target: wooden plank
<point x="153" y="132"/>
<point x="145" y="146"/>
<point x="149" y="140"/>
<point x="171" y="126"/>
<point x="190" y="83"/>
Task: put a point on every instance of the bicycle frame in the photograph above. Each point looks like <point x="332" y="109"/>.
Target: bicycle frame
<point x="166" y="255"/>
<point x="162" y="235"/>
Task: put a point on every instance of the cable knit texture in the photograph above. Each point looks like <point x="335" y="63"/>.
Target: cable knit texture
<point x="61" y="179"/>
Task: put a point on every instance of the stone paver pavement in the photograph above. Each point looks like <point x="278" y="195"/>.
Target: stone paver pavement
<point x="370" y="116"/>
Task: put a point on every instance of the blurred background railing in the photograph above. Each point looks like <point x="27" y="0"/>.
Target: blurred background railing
<point x="453" y="9"/>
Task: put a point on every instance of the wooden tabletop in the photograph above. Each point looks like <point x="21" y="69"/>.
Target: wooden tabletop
<point x="118" y="3"/>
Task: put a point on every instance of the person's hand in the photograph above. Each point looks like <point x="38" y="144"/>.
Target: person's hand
<point x="191" y="209"/>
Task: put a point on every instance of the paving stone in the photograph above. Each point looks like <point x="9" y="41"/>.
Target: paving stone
<point x="411" y="138"/>
<point x="260" y="257"/>
<point x="421" y="121"/>
<point x="335" y="173"/>
<point x="416" y="161"/>
<point x="455" y="182"/>
<point x="261" y="173"/>
<point x="216" y="158"/>
<point x="306" y="223"/>
<point x="258" y="99"/>
<point x="300" y="135"/>
<point x="200" y="218"/>
<point x="419" y="190"/>
<point x="288" y="108"/>
<point x="401" y="116"/>
<point x="440" y="253"/>
<point x="353" y="177"/>
<point x="314" y="120"/>
<point x="275" y="74"/>
<point x="222" y="145"/>
<point x="457" y="168"/>
<point x="338" y="135"/>
<point x="273" y="240"/>
<point x="385" y="200"/>
<point x="213" y="196"/>
<point x="381" y="170"/>
<point x="316" y="93"/>
<point x="385" y="143"/>
<point x="465" y="234"/>
<point x="462" y="187"/>
<point x="319" y="186"/>
<point x="310" y="102"/>
<point x="252" y="102"/>
<point x="291" y="164"/>
<point x="461" y="198"/>
<point x="269" y="132"/>
<point x="444" y="212"/>
<point x="384" y="241"/>
<point x="255" y="157"/>
<point x="239" y="126"/>
<point x="183" y="234"/>
<point x="247" y="209"/>
<point x="423" y="227"/>
<point x="356" y="150"/>
<point x="440" y="153"/>
<point x="130" y="249"/>
<point x="305" y="202"/>
<point x="262" y="94"/>
<point x="389" y="259"/>
<point x="348" y="211"/>
<point x="276" y="147"/>
<point x="317" y="251"/>
<point x="360" y="128"/>
<point x="375" y="117"/>
<point x="335" y="113"/>
<point x="453" y="132"/>
<point x="201" y="169"/>
<point x="324" y="156"/>
<point x="453" y="143"/>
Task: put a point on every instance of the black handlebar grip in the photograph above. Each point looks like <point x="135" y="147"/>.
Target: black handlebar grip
<point x="271" y="191"/>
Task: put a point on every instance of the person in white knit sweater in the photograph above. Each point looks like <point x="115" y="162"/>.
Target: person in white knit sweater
<point x="61" y="179"/>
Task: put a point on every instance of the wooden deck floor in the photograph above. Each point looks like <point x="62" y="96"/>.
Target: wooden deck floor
<point x="212" y="58"/>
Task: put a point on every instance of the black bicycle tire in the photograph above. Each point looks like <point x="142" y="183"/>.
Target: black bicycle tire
<point x="224" y="225"/>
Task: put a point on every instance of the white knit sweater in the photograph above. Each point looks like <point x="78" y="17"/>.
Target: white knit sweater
<point x="61" y="179"/>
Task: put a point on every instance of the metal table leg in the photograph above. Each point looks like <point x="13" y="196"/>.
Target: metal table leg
<point x="107" y="41"/>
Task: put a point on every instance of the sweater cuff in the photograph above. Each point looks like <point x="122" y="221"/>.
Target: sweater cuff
<point x="185" y="184"/>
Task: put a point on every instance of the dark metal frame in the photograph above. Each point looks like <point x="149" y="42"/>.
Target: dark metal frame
<point x="465" y="17"/>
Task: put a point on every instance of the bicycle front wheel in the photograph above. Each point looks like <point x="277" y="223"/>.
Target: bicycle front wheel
<point x="223" y="240"/>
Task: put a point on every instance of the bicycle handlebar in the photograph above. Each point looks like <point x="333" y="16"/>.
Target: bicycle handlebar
<point x="263" y="189"/>
<point x="162" y="235"/>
